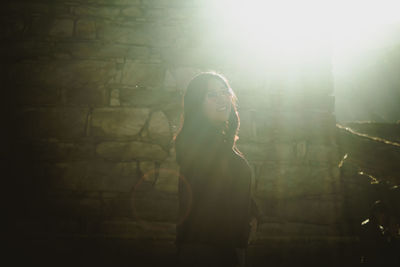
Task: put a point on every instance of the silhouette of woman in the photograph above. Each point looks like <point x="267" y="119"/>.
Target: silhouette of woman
<point x="215" y="203"/>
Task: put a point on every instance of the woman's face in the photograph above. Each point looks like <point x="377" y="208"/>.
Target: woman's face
<point x="217" y="103"/>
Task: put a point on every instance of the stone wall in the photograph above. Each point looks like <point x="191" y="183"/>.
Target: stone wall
<point x="96" y="87"/>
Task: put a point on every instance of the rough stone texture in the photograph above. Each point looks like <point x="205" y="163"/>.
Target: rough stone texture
<point x="266" y="125"/>
<point x="168" y="178"/>
<point x="106" y="12"/>
<point x="85" y="29"/>
<point x="93" y="176"/>
<point x="282" y="228"/>
<point x="148" y="169"/>
<point x="132" y="12"/>
<point x="52" y="122"/>
<point x="118" y="122"/>
<point x="70" y="75"/>
<point x="98" y="50"/>
<point x="280" y="181"/>
<point x="139" y="230"/>
<point x="98" y="86"/>
<point x="130" y="151"/>
<point x="114" y="98"/>
<point x="134" y="34"/>
<point x="142" y="75"/>
<point x="54" y="149"/>
<point x="62" y="28"/>
<point x="177" y="79"/>
<point x="145" y="98"/>
<point x="271" y="151"/>
<point x="159" y="129"/>
<point x="37" y="96"/>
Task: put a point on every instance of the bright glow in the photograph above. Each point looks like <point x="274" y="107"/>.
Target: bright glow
<point x="295" y="28"/>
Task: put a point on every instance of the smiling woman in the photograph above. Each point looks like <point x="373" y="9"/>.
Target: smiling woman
<point x="218" y="102"/>
<point x="215" y="204"/>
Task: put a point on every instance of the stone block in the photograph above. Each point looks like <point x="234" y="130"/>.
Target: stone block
<point x="193" y="56"/>
<point x="159" y="129"/>
<point x="89" y="207"/>
<point x="85" y="29"/>
<point x="117" y="122"/>
<point x="12" y="27"/>
<point x="169" y="82"/>
<point x="62" y="28"/>
<point x="132" y="11"/>
<point x="92" y="176"/>
<point x="145" y="98"/>
<point x="31" y="8"/>
<point x="293" y="229"/>
<point x="154" y="205"/>
<point x="177" y="79"/>
<point x="96" y="50"/>
<point x="114" y="2"/>
<point x="96" y="11"/>
<point x="67" y="74"/>
<point x="147" y="168"/>
<point x="145" y="230"/>
<point x="92" y="95"/>
<point x="168" y="178"/>
<point x="165" y="35"/>
<point x="286" y="180"/>
<point x="64" y="175"/>
<point x="268" y="152"/>
<point x="74" y="207"/>
<point x="288" y="126"/>
<point x="142" y="75"/>
<point x="40" y="26"/>
<point x="167" y="3"/>
<point x="324" y="154"/>
<point x="133" y="34"/>
<point x="155" y="34"/>
<point x="130" y="151"/>
<point x="35" y="95"/>
<point x="165" y="14"/>
<point x="114" y="98"/>
<point x="118" y="207"/>
<point x="315" y="211"/>
<point x="28" y="49"/>
<point x="52" y="122"/>
<point x="111" y="176"/>
<point x="59" y="150"/>
<point x="296" y="101"/>
<point x="173" y="110"/>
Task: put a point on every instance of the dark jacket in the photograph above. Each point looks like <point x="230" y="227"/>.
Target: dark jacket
<point x="214" y="195"/>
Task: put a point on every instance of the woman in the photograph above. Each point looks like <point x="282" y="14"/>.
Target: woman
<point x="215" y="205"/>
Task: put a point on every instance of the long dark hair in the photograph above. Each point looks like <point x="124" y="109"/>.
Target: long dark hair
<point x="197" y="132"/>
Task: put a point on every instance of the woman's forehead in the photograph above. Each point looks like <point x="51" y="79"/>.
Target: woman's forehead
<point x="215" y="85"/>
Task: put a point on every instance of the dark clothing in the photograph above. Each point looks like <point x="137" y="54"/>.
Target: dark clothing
<point x="214" y="196"/>
<point x="206" y="255"/>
